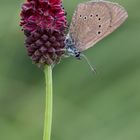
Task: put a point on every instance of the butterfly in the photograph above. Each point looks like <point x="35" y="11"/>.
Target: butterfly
<point x="91" y="22"/>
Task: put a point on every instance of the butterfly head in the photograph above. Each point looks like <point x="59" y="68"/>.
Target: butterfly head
<point x="71" y="49"/>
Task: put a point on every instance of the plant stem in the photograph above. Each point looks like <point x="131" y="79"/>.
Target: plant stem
<point x="49" y="102"/>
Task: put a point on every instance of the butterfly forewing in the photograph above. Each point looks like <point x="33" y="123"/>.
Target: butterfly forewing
<point x="118" y="16"/>
<point x="92" y="21"/>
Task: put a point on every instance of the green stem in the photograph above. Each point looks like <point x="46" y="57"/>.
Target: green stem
<point x="48" y="106"/>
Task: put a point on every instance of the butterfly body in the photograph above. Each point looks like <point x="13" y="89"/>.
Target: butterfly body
<point x="70" y="48"/>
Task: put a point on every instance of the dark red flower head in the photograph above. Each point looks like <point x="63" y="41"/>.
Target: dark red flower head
<point x="44" y="24"/>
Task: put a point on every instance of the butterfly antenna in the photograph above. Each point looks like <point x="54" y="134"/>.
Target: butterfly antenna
<point x="88" y="62"/>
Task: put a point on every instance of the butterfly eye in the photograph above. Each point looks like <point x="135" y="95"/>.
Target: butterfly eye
<point x="80" y="16"/>
<point x="99" y="26"/>
<point x="99" y="19"/>
<point x="96" y="15"/>
<point x="99" y="32"/>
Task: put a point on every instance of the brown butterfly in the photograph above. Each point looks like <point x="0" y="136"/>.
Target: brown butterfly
<point x="91" y="22"/>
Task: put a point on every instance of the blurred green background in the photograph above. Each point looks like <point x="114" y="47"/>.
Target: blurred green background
<point x="105" y="106"/>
